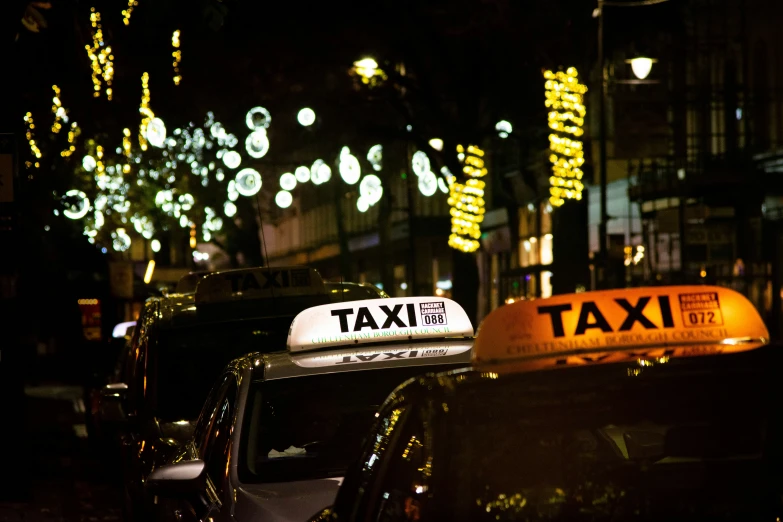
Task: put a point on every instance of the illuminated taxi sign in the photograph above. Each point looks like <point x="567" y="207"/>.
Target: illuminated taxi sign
<point x="261" y="282"/>
<point x="377" y="320"/>
<point x="390" y="355"/>
<point x="617" y="320"/>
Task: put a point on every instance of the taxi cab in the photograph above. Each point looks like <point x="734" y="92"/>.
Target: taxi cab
<point x="279" y="430"/>
<point x="642" y="404"/>
<point x="179" y="347"/>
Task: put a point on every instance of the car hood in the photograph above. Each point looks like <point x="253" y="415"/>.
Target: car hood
<point x="286" y="501"/>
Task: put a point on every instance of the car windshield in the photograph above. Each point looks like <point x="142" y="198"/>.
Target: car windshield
<point x="190" y="358"/>
<point x="651" y="444"/>
<point x="307" y="428"/>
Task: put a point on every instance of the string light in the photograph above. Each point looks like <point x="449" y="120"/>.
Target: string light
<point x="101" y="58"/>
<point x="30" y="135"/>
<point x="126" y="13"/>
<point x="73" y="133"/>
<point x="566" y="117"/>
<point x="467" y="201"/>
<point x="145" y="110"/>
<point x="58" y="111"/>
<point x="177" y="54"/>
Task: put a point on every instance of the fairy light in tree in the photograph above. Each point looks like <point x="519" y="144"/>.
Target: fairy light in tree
<point x="565" y="101"/>
<point x="73" y="133"/>
<point x="126" y="13"/>
<point x="177" y="54"/>
<point x="467" y="201"/>
<point x="101" y="58"/>
<point x="30" y="135"/>
<point x="145" y="110"/>
<point x="59" y="112"/>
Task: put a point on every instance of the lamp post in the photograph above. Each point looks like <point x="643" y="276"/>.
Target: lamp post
<point x="641" y="67"/>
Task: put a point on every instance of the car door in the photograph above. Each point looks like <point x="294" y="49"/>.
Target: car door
<point x="212" y="444"/>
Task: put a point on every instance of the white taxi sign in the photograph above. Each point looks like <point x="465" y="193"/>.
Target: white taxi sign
<point x="376" y="321"/>
<point x="626" y="320"/>
<point x="260" y="282"/>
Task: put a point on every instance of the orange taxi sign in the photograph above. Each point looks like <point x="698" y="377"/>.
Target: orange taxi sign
<point x="624" y="320"/>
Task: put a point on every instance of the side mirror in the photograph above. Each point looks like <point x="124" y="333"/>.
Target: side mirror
<point x="113" y="400"/>
<point x="178" y="479"/>
<point x="325" y="515"/>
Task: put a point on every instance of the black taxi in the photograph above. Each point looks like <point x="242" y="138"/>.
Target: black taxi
<point x="181" y="344"/>
<point x="641" y="404"/>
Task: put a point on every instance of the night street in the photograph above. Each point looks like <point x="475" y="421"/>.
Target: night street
<point x="67" y="482"/>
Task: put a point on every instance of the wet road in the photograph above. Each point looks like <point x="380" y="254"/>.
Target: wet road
<point x="59" y="478"/>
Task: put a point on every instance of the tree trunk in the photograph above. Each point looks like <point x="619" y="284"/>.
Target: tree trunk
<point x="466" y="283"/>
<point x="386" y="255"/>
<point x="345" y="253"/>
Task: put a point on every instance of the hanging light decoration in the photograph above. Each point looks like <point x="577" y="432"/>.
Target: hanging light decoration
<point x="257" y="143"/>
<point x="156" y="133"/>
<point x="320" y="172"/>
<point x="28" y="118"/>
<point x="248" y="182"/>
<point x="503" y="128"/>
<point x="428" y="183"/>
<point x="362" y="205"/>
<point x="177" y="54"/>
<point x="229" y="209"/>
<point x="79" y="209"/>
<point x="306" y="117"/>
<point x="467" y="201"/>
<point x="121" y="241"/>
<point x="283" y="199"/>
<point x="349" y="167"/>
<point x="127" y="12"/>
<point x="302" y="174"/>
<point x="375" y="156"/>
<point x="232" y="159"/>
<point x="145" y="110"/>
<point x="565" y="101"/>
<point x="288" y="181"/>
<point x="258" y="118"/>
<point x="371" y="189"/>
<point x="420" y="163"/>
<point x="101" y="58"/>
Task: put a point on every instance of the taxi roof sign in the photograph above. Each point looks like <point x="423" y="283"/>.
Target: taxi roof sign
<point x="259" y="283"/>
<point x="188" y="283"/>
<point x="620" y="320"/>
<point x="377" y="321"/>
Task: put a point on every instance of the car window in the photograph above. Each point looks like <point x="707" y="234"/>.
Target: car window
<point x="402" y="489"/>
<point x="311" y="427"/>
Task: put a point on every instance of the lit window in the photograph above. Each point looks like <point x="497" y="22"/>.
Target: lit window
<point x="546" y="284"/>
<point x="546" y="249"/>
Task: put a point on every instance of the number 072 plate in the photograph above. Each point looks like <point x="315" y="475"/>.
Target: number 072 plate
<point x="701" y="310"/>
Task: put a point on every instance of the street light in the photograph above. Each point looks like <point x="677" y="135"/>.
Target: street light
<point x="367" y="69"/>
<point x="640" y="65"/>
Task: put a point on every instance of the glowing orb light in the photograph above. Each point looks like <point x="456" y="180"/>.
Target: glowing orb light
<point x="79" y="209"/>
<point x="284" y="199"/>
<point x="288" y="181"/>
<point x="302" y="174"/>
<point x="503" y="128"/>
<point x="443" y="186"/>
<point x="258" y="118"/>
<point x="320" y="172"/>
<point x="428" y="183"/>
<point x="257" y="143"/>
<point x="375" y="156"/>
<point x="350" y="170"/>
<point x="232" y="159"/>
<point x="156" y="132"/>
<point x="362" y="205"/>
<point x="371" y="189"/>
<point x="248" y="182"/>
<point x="229" y="209"/>
<point x="89" y="163"/>
<point x="420" y="163"/>
<point x="306" y="117"/>
<point x="155" y="245"/>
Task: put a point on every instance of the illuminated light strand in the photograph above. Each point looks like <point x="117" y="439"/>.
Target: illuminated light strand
<point x="467" y="201"/>
<point x="73" y="133"/>
<point x="144" y="109"/>
<point x="566" y="117"/>
<point x="177" y="54"/>
<point x="57" y="110"/>
<point x="126" y="13"/>
<point x="101" y="58"/>
<point x="30" y="135"/>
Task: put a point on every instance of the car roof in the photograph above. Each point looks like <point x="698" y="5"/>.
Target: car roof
<point x="284" y="365"/>
<point x="469" y="380"/>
